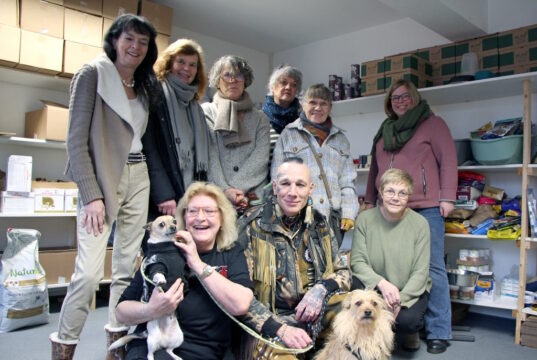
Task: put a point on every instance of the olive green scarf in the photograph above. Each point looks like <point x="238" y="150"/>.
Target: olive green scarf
<point x="396" y="131"/>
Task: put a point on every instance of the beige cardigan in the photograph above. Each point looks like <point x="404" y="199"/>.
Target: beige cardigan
<point x="99" y="135"/>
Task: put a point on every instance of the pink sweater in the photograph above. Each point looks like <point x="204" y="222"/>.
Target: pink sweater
<point x="429" y="157"/>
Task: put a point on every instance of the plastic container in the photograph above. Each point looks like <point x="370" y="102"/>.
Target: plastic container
<point x="466" y="292"/>
<point x="463" y="278"/>
<point x="469" y="64"/>
<point x="506" y="150"/>
<point x="464" y="151"/>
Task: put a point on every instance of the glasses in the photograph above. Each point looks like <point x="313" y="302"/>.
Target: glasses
<point x="390" y="193"/>
<point x="209" y="212"/>
<point x="400" y="98"/>
<point x="229" y="77"/>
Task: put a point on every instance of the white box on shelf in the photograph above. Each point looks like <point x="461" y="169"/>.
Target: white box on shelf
<point x="71" y="200"/>
<point x="19" y="173"/>
<point x="17" y="203"/>
<point x="49" y="200"/>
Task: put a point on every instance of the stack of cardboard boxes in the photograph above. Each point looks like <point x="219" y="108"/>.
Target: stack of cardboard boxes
<point x="378" y="75"/>
<point x="59" y="36"/>
<point x="506" y="53"/>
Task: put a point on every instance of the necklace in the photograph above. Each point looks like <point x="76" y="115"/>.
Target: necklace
<point x="129" y="85"/>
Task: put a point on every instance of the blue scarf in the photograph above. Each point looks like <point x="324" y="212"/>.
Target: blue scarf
<point x="280" y="117"/>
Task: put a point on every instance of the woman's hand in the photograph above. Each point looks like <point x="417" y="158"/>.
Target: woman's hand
<point x="369" y="206"/>
<point x="167" y="207"/>
<point x="293" y="337"/>
<point x="346" y="224"/>
<point x="93" y="218"/>
<point x="187" y="245"/>
<point x="310" y="306"/>
<point x="164" y="303"/>
<point x="445" y="208"/>
<point x="390" y="293"/>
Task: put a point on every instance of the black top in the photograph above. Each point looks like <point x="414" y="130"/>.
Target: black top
<point x="206" y="329"/>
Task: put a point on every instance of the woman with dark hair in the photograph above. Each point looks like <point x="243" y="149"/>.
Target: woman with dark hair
<point x="176" y="142"/>
<point x="240" y="140"/>
<point x="108" y="113"/>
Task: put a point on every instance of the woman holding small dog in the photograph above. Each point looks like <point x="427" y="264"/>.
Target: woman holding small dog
<point x="390" y="252"/>
<point x="176" y="141"/>
<point x="240" y="134"/>
<point x="108" y="112"/>
<point x="206" y="237"/>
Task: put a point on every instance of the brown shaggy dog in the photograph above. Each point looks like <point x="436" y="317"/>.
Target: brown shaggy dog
<point x="361" y="330"/>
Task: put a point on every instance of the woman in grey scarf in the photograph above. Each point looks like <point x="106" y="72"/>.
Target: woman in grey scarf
<point x="240" y="139"/>
<point x="176" y="142"/>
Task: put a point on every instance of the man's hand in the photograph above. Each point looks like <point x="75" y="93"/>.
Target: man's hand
<point x="390" y="293"/>
<point x="310" y="306"/>
<point x="167" y="207"/>
<point x="293" y="337"/>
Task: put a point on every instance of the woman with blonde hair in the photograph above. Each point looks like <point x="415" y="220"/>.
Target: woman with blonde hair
<point x="206" y="236"/>
<point x="176" y="142"/>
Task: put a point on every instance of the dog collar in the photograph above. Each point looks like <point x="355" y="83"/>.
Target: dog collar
<point x="356" y="355"/>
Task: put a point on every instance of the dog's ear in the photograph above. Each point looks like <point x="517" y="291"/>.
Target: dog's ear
<point x="148" y="226"/>
<point x="347" y="302"/>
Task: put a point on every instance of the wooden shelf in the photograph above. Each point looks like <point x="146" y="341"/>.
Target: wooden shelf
<point x="34" y="79"/>
<point x="529" y="311"/>
<point x="498" y="303"/>
<point x="483" y="237"/>
<point x="22" y="141"/>
<point x="51" y="214"/>
<point x="477" y="168"/>
<point x="470" y="91"/>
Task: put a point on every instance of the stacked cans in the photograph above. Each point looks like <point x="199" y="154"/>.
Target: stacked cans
<point x="356" y="81"/>
<point x="341" y="91"/>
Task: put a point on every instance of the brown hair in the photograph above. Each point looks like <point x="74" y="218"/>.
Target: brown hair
<point x="396" y="176"/>
<point x="412" y="91"/>
<point x="186" y="47"/>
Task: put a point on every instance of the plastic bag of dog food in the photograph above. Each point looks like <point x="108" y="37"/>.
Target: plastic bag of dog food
<point x="23" y="288"/>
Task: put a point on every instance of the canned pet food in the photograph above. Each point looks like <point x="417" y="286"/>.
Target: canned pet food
<point x="466" y="292"/>
<point x="454" y="291"/>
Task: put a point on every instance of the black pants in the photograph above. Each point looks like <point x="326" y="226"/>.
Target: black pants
<point x="410" y="320"/>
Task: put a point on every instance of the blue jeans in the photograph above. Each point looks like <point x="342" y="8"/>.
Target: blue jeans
<point x="438" y="315"/>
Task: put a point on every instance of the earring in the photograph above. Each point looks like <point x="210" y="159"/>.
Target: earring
<point x="310" y="201"/>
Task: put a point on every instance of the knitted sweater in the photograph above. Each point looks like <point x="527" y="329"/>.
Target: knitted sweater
<point x="243" y="167"/>
<point x="396" y="251"/>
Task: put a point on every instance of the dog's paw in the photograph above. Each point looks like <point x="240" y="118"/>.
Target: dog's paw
<point x="159" y="279"/>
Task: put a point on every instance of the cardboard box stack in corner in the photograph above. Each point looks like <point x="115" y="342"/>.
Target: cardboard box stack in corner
<point x="58" y="37"/>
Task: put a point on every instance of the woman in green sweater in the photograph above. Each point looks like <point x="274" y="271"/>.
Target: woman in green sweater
<point x="391" y="251"/>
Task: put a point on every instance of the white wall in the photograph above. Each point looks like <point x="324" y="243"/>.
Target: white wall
<point x="334" y="56"/>
<point x="506" y="15"/>
<point x="214" y="48"/>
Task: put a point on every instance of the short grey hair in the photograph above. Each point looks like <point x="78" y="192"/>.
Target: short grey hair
<point x="285" y="70"/>
<point x="238" y="64"/>
<point x="318" y="91"/>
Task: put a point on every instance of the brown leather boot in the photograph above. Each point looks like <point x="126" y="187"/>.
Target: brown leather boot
<point x="113" y="334"/>
<point x="62" y="349"/>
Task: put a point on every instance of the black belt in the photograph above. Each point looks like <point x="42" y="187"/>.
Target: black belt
<point x="135" y="158"/>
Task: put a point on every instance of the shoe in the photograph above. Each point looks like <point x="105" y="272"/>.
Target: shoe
<point x="411" y="342"/>
<point x="436" y="346"/>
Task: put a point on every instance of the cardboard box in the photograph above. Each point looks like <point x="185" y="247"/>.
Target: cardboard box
<point x="160" y="16"/>
<point x="517" y="56"/>
<point x="19" y="173"/>
<point x="70" y="200"/>
<point x="42" y="17"/>
<point x="17" y="203"/>
<point x="372" y="68"/>
<point x="106" y="25"/>
<point x="516" y="69"/>
<point x="75" y="55"/>
<point x="49" y="123"/>
<point x="94" y="7"/>
<point x="489" y="60"/>
<point x="525" y="36"/>
<point x="162" y="42"/>
<point x="114" y="8"/>
<point x="404" y="62"/>
<point x="59" y="265"/>
<point x="83" y="28"/>
<point x="11" y="44"/>
<point x="49" y="200"/>
<point x="373" y="85"/>
<point x="417" y="78"/>
<point x="41" y="53"/>
<point x="9" y="12"/>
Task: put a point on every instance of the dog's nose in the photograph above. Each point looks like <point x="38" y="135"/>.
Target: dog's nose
<point x="173" y="228"/>
<point x="367" y="313"/>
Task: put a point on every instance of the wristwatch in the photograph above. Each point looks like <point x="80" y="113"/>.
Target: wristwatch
<point x="206" y="272"/>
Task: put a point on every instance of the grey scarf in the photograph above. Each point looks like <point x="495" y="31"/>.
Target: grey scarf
<point x="177" y="92"/>
<point x="228" y="121"/>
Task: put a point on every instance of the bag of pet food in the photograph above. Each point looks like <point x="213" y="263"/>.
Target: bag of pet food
<point x="23" y="288"/>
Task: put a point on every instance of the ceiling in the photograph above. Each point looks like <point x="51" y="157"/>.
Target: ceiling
<point x="275" y="25"/>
